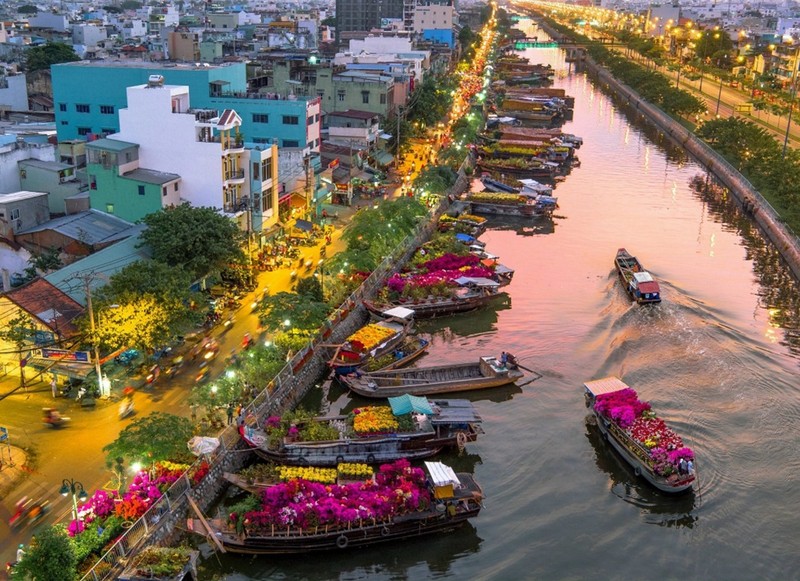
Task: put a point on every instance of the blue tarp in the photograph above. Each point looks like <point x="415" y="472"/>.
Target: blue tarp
<point x="303" y="225"/>
<point x="405" y="404"/>
<point x="461" y="237"/>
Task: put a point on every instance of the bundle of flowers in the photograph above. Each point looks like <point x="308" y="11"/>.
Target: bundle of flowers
<point x="478" y="220"/>
<point x="641" y="423"/>
<point x="450" y="261"/>
<point x="352" y="470"/>
<point x="399" y="283"/>
<point x="369" y="337"/>
<point x="445" y="218"/>
<point x="323" y="475"/>
<point x="374" y="419"/>
<point x="397" y="489"/>
<point x="496" y="198"/>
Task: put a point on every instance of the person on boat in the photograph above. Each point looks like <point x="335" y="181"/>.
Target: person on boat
<point x="690" y="467"/>
<point x="683" y="468"/>
<point x="503" y="359"/>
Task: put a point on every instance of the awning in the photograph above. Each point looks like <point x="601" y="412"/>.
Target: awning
<point x="385" y="135"/>
<point x="441" y="474"/>
<point x="399" y="313"/>
<point x="200" y="445"/>
<point x="475" y="280"/>
<point x="405" y="404"/>
<point x="303" y="225"/>
<point x="384" y="158"/>
<point x="285" y="198"/>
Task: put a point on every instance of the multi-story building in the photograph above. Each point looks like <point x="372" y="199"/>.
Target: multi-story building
<point x="184" y="46"/>
<point x="353" y="127"/>
<point x="434" y="22"/>
<point x="84" y="109"/>
<point x="364" y="15"/>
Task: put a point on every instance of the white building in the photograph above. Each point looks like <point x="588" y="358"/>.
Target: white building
<point x="134" y="28"/>
<point x="432" y="17"/>
<point x="57" y="22"/>
<point x="88" y="35"/>
<point x="13" y="93"/>
<point x="14" y="149"/>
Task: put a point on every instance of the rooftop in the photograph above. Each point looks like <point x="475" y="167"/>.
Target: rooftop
<point x="50" y="165"/>
<point x="110" y="144"/>
<point x="19" y="196"/>
<point x="90" y="227"/>
<point x="51" y="306"/>
<point x="151" y="176"/>
<point x="353" y="114"/>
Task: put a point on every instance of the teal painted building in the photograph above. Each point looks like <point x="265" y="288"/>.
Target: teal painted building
<point x="87" y="96"/>
<point x="118" y="186"/>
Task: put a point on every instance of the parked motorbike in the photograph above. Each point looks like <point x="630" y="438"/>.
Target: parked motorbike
<point x="293" y="275"/>
<point x="86" y="396"/>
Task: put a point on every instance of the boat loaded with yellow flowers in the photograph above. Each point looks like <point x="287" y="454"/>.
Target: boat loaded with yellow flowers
<point x="409" y="427"/>
<point x="300" y="516"/>
<point x="656" y="453"/>
<point x="374" y="340"/>
<point x="511" y="204"/>
<point x="257" y="477"/>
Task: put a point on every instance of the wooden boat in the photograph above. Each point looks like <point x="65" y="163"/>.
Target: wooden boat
<point x="530" y="169"/>
<point x="433" y="426"/>
<point x="472" y="293"/>
<point x="485" y="373"/>
<point x="503" y="204"/>
<point x="390" y="330"/>
<point x="638" y="283"/>
<point x="409" y="350"/>
<point x="634" y="442"/>
<point x="452" y="499"/>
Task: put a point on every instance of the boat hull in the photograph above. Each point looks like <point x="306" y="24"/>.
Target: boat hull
<point x="626" y="265"/>
<point x="527" y="210"/>
<point x="428" y="310"/>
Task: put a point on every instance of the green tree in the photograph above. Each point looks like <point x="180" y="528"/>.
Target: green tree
<point x="140" y="321"/>
<point x="713" y="45"/>
<point x="41" y="57"/>
<point x="151" y="439"/>
<point x="304" y="313"/>
<point x="28" y="9"/>
<point x="130" y="5"/>
<point x="49" y="558"/>
<point x="19" y="331"/>
<point x="201" y="240"/>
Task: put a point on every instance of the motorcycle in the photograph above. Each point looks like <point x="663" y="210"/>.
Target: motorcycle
<point x="152" y="375"/>
<point x="125" y="408"/>
<point x="228" y="324"/>
<point x="52" y="418"/>
<point x="28" y="512"/>
<point x="293" y="275"/>
<point x="86" y="396"/>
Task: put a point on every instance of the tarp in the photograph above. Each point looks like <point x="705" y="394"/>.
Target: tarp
<point x="399" y="312"/>
<point x="405" y="404"/>
<point x="384" y="158"/>
<point x="475" y="280"/>
<point x="200" y="445"/>
<point x="441" y="474"/>
<point x="303" y="225"/>
<point x="461" y="237"/>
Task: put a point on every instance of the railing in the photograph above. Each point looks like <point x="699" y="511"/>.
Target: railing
<point x="279" y="394"/>
<point x="234" y="174"/>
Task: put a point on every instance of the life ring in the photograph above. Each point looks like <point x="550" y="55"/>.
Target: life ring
<point x="341" y="542"/>
<point x="637" y="471"/>
<point x="385" y="531"/>
<point x="340" y="459"/>
<point x="371" y="459"/>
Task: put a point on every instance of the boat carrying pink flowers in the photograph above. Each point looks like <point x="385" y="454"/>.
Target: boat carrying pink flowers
<point x="299" y="516"/>
<point x="655" y="451"/>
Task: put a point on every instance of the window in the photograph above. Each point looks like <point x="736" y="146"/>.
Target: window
<point x="109" y="208"/>
<point x="107" y="131"/>
<point x="266" y="201"/>
<point x="291" y="120"/>
<point x="62" y="107"/>
<point x="141" y="190"/>
<point x="256" y="168"/>
<point x="310" y="120"/>
<point x="23" y="174"/>
<point x="106" y="109"/>
<point x="93" y="182"/>
<point x="163" y="191"/>
<point x="15" y="214"/>
<point x="320" y="93"/>
<point x="340" y="95"/>
<point x="65" y="123"/>
<point x="291" y="143"/>
<point x="82" y="108"/>
<point x="365" y="97"/>
<point x="175" y="187"/>
<point x="260" y="118"/>
<point x="266" y="169"/>
<point x="383" y="99"/>
<point x="84" y="130"/>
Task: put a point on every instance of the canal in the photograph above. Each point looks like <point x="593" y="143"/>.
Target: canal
<point x="717" y="359"/>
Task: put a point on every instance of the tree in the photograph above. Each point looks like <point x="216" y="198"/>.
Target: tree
<point x="310" y="287"/>
<point x="303" y="312"/>
<point x="714" y="44"/>
<point x="130" y="5"/>
<point x="28" y="9"/>
<point x="41" y="57"/>
<point x="151" y="439"/>
<point x="201" y="240"/>
<point x="49" y="558"/>
<point x="19" y="331"/>
<point x="138" y="321"/>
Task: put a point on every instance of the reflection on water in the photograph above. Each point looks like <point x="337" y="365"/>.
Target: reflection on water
<point x="526" y="227"/>
<point x="450" y="329"/>
<point x="657" y="508"/>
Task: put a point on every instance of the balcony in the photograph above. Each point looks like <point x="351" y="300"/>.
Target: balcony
<point x="232" y="146"/>
<point x="233" y="177"/>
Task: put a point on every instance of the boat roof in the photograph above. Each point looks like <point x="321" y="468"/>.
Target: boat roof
<point x="643" y="276"/>
<point x="441" y="474"/>
<point x="649" y="287"/>
<point x="454" y="411"/>
<point x="605" y="385"/>
<point x="399" y="313"/>
<point x="405" y="404"/>
<point x="475" y="280"/>
<point x="465" y="237"/>
<point x="502" y="269"/>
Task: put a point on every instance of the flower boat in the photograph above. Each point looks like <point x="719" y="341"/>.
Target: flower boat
<point x="374" y="339"/>
<point x="656" y="453"/>
<point x="485" y="373"/>
<point x="409" y="427"/>
<point x="638" y="283"/>
<point x="470" y="294"/>
<point x="518" y="168"/>
<point x="412" y="348"/>
<point x="298" y="517"/>
<point x="254" y="479"/>
<point x="511" y="204"/>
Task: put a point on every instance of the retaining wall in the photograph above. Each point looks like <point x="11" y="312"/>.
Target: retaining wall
<point x="743" y="191"/>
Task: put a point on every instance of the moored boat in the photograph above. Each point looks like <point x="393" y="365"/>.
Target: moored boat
<point x="348" y="516"/>
<point x="374" y="339"/>
<point x="485" y="373"/>
<point x="638" y="283"/>
<point x="656" y="453"/>
<point x="410" y="427"/>
<point x="511" y="204"/>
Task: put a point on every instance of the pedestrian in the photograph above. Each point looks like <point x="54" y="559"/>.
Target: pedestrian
<point x="54" y="387"/>
<point x="194" y="413"/>
<point x="20" y="552"/>
<point x="683" y="468"/>
<point x="240" y="418"/>
<point x="230" y="413"/>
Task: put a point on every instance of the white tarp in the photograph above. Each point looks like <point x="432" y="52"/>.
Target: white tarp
<point x="399" y="312"/>
<point x="442" y="475"/>
<point x="200" y="445"/>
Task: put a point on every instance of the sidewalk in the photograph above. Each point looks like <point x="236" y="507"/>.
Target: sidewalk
<point x="13" y="467"/>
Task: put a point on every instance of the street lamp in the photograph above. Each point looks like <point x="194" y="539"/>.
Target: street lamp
<point x="76" y="489"/>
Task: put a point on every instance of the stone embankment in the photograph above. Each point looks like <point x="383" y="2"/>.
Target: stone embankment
<point x="748" y="197"/>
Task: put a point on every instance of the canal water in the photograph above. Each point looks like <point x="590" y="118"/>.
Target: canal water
<point x="717" y="359"/>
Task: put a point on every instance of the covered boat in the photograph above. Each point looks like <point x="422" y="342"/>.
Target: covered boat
<point x="511" y="204"/>
<point x="338" y="517"/>
<point x="485" y="373"/>
<point x="656" y="453"/>
<point x="410" y="427"/>
<point x="638" y="283"/>
<point x="374" y="339"/>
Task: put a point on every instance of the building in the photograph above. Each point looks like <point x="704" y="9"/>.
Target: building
<point x="88" y="35"/>
<point x="58" y="179"/>
<point x="364" y="15"/>
<point x="184" y="46"/>
<point x="84" y="110"/>
<point x="13" y="93"/>
<point x="118" y="185"/>
<point x="434" y="22"/>
<point x="22" y="210"/>
<point x="353" y="127"/>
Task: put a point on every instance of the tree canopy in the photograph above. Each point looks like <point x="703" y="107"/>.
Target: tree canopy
<point x="49" y="558"/>
<point x="153" y="438"/>
<point x="41" y="57"/>
<point x="28" y="9"/>
<point x="201" y="240"/>
<point x="304" y="312"/>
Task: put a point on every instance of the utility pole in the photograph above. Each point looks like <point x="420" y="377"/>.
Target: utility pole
<point x="86" y="279"/>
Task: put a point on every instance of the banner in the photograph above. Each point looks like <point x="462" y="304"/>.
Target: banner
<point x="63" y="355"/>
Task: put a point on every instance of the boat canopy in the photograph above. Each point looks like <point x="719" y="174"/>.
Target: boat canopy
<point x="399" y="313"/>
<point x="605" y="385"/>
<point x="502" y="269"/>
<point x="643" y="276"/>
<point x="441" y="474"/>
<point x="405" y="404"/>
<point x="476" y="281"/>
<point x="454" y="411"/>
